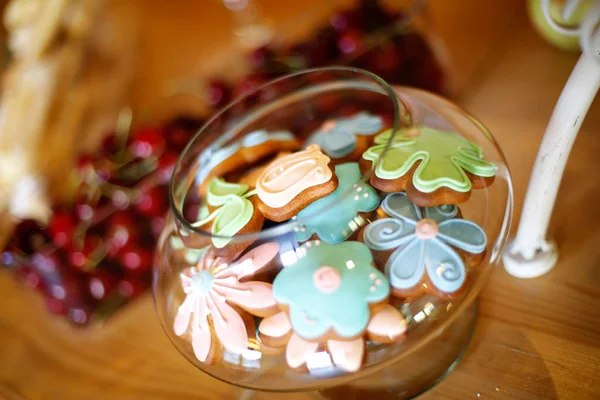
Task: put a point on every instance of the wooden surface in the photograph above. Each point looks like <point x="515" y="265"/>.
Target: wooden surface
<point x="535" y="339"/>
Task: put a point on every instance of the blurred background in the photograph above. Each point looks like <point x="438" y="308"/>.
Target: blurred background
<point x="99" y="97"/>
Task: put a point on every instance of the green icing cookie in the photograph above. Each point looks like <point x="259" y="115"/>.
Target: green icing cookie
<point x="444" y="156"/>
<point x="234" y="212"/>
<point x="219" y="191"/>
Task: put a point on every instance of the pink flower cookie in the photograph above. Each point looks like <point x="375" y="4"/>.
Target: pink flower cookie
<point x="218" y="301"/>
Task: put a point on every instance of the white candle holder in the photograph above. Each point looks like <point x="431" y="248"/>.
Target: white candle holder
<point x="531" y="253"/>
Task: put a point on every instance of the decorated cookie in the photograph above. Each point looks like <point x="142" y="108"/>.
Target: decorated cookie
<point x="330" y="290"/>
<point x="433" y="167"/>
<point x="250" y="177"/>
<point x="217" y="300"/>
<point x="386" y="326"/>
<point x="345" y="139"/>
<point x="331" y="296"/>
<point x="229" y="212"/>
<point x="291" y="183"/>
<point x="251" y="149"/>
<point x="335" y="217"/>
<point x="423" y="243"/>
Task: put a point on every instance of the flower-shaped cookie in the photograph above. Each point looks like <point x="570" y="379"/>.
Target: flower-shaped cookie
<point x="212" y="289"/>
<point x="387" y="325"/>
<point x="330" y="294"/>
<point x="434" y="167"/>
<point x="330" y="289"/>
<point x="340" y="138"/>
<point x="333" y="218"/>
<point x="424" y="241"/>
<point x="233" y="214"/>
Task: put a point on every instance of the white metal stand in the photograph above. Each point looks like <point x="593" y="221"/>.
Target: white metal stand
<point x="531" y="253"/>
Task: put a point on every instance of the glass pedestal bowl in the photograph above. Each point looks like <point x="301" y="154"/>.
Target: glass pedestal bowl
<point x="332" y="239"/>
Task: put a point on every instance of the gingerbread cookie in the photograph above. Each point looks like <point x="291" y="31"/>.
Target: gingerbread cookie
<point x="423" y="242"/>
<point x="433" y="167"/>
<point x="249" y="150"/>
<point x="345" y="139"/>
<point x="291" y="183"/>
<point x="336" y="217"/>
<point x="251" y="176"/>
<point x="229" y="212"/>
<point x="218" y="300"/>
<point x="331" y="296"/>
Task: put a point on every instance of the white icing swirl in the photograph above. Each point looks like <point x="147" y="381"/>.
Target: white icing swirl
<point x="287" y="177"/>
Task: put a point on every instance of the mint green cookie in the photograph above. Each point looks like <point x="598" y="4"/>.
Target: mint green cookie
<point x="444" y="156"/>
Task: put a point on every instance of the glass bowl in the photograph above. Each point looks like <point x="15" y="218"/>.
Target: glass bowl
<point x="312" y="243"/>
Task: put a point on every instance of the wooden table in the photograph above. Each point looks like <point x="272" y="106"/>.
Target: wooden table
<point x="536" y="339"/>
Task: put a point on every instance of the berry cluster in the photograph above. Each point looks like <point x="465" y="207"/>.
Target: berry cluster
<point x="367" y="36"/>
<point x="97" y="253"/>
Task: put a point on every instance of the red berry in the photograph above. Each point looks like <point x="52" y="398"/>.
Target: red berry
<point x="250" y="83"/>
<point x="109" y="144"/>
<point x="346" y="20"/>
<point x="29" y="236"/>
<point x="184" y="122"/>
<point x="56" y="306"/>
<point x="177" y="139"/>
<point x="88" y="255"/>
<point x="147" y="142"/>
<point x="164" y="170"/>
<point x="340" y="21"/>
<point x="80" y="314"/>
<point x="85" y="160"/>
<point x="31" y="278"/>
<point x="136" y="259"/>
<point x="152" y="201"/>
<point x="83" y="211"/>
<point x="412" y="46"/>
<point x="385" y="60"/>
<point x="319" y="51"/>
<point x="48" y="264"/>
<point x="428" y="75"/>
<point x="120" y="199"/>
<point x="122" y="230"/>
<point x="70" y="289"/>
<point x="157" y="224"/>
<point x="104" y="169"/>
<point x="218" y="93"/>
<point x="131" y="286"/>
<point x="61" y="228"/>
<point x="259" y="57"/>
<point x="9" y="258"/>
<point x="351" y="41"/>
<point x="101" y="284"/>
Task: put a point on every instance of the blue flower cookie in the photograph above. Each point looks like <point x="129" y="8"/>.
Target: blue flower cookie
<point x="425" y="242"/>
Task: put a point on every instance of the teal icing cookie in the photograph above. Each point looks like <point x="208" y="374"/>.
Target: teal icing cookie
<point x="444" y="156"/>
<point x="329" y="288"/>
<point x="332" y="218"/>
